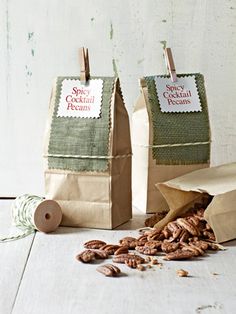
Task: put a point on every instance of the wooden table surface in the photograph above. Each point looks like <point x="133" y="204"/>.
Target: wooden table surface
<point x="39" y="274"/>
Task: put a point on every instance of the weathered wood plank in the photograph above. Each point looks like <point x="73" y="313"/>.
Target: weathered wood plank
<point x="13" y="258"/>
<point x="54" y="282"/>
<point x="125" y="36"/>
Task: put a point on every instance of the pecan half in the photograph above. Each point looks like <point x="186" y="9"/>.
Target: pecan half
<point x="192" y="249"/>
<point x="168" y="247"/>
<point x="94" y="244"/>
<point x="179" y="254"/>
<point x="155" y="235"/>
<point x="129" y="241"/>
<point x="124" y="257"/>
<point x="86" y="256"/>
<point x="142" y="240"/>
<point x="100" y="254"/>
<point x="146" y="250"/>
<point x="122" y="250"/>
<point x="110" y="248"/>
<point x="182" y="222"/>
<point x="132" y="263"/>
<point x="108" y="270"/>
<point x="173" y="226"/>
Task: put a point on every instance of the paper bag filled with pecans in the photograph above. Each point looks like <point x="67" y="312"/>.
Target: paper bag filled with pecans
<point x="218" y="182"/>
<point x="88" y="152"/>
<point x="170" y="135"/>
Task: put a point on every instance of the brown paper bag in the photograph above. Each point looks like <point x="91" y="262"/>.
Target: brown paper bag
<point x="88" y="161"/>
<point x="220" y="182"/>
<point x="154" y="162"/>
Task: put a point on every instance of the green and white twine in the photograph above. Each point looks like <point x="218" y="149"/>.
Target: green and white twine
<point x="23" y="210"/>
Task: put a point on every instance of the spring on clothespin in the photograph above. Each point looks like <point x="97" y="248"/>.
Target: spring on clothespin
<point x="84" y="65"/>
<point x="170" y="64"/>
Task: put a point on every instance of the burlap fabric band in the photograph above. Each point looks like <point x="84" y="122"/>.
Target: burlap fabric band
<point x="81" y="136"/>
<point x="179" y="128"/>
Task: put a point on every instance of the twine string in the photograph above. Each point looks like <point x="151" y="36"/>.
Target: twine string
<point x="87" y="156"/>
<point x="23" y="209"/>
<point x="173" y="145"/>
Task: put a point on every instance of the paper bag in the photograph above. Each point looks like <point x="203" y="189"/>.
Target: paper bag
<point x="165" y="145"/>
<point x="220" y="182"/>
<point x="88" y="154"/>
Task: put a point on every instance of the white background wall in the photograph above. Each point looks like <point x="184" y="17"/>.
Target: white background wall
<point x="39" y="40"/>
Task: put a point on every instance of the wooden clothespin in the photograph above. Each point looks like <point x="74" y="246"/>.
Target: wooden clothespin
<point x="84" y="65"/>
<point x="170" y="64"/>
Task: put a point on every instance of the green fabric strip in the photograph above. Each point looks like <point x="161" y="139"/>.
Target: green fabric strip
<point x="81" y="136"/>
<point x="178" y="128"/>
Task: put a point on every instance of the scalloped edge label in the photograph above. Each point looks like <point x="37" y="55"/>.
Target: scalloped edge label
<point x="80" y="100"/>
<point x="180" y="96"/>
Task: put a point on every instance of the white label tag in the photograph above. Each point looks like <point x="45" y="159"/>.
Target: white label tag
<point x="181" y="96"/>
<point x="80" y="100"/>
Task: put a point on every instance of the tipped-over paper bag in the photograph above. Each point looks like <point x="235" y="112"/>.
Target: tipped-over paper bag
<point x="219" y="182"/>
<point x="166" y="144"/>
<point x="88" y="152"/>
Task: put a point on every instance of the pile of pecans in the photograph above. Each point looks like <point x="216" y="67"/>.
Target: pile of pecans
<point x="184" y="238"/>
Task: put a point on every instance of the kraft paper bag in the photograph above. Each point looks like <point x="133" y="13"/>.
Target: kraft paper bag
<point x="161" y="143"/>
<point x="88" y="159"/>
<point x="219" y="182"/>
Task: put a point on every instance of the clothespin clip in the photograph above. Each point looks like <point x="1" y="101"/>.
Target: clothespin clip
<point x="170" y="64"/>
<point x="84" y="65"/>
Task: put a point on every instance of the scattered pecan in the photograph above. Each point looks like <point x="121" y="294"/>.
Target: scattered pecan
<point x="182" y="273"/>
<point x="129" y="241"/>
<point x="155" y="235"/>
<point x="140" y="267"/>
<point x="146" y="250"/>
<point x="132" y="263"/>
<point x="142" y="240"/>
<point x="168" y="247"/>
<point x="122" y="250"/>
<point x="195" y="250"/>
<point x="201" y="244"/>
<point x="182" y="222"/>
<point x="176" y="234"/>
<point x="110" y="248"/>
<point x="124" y="257"/>
<point x="179" y="254"/>
<point x="154" y="244"/>
<point x="94" y="244"/>
<point x="198" y="248"/>
<point x="100" y="254"/>
<point x="86" y="256"/>
<point x="108" y="270"/>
